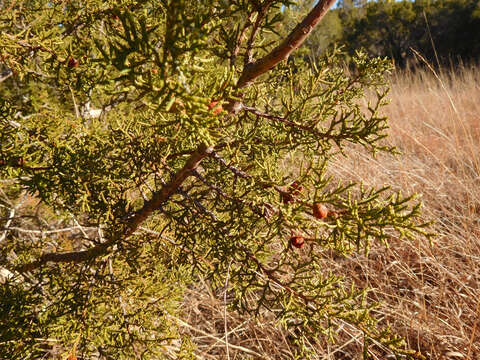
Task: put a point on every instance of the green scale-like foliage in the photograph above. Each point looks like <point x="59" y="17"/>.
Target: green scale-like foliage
<point x="104" y="102"/>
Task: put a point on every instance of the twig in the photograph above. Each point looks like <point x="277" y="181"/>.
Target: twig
<point x="215" y="188"/>
<point x="225" y="310"/>
<point x="238" y="44"/>
<point x="292" y="124"/>
<point x="45" y="232"/>
<point x="6" y="75"/>
<point x="31" y="47"/>
<point x="198" y="204"/>
<point x="236" y="347"/>
<point x="261" y="15"/>
<point x="77" y="113"/>
<point x="124" y="310"/>
<point x="20" y="164"/>
<point x="80" y="227"/>
<point x="11" y="216"/>
<point x="273" y="278"/>
<point x="236" y="171"/>
<point x="279" y="119"/>
<point x="7" y="224"/>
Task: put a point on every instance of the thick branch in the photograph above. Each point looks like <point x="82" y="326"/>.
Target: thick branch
<point x="169" y="189"/>
<point x="134" y="222"/>
<point x="292" y="42"/>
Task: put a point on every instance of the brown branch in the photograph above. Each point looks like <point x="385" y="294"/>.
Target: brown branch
<point x="238" y="44"/>
<point x="293" y="41"/>
<point x="31" y="47"/>
<point x="286" y="194"/>
<point x="217" y="147"/>
<point x="272" y="277"/>
<point x="133" y="223"/>
<point x="20" y="163"/>
<point x="262" y="12"/>
<point x="292" y="124"/>
<point x="236" y="171"/>
<point x="215" y="188"/>
<point x="274" y="117"/>
<point x="5" y="75"/>
<point x="169" y="189"/>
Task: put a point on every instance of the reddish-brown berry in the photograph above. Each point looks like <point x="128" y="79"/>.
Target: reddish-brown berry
<point x="287" y="198"/>
<point x="320" y="211"/>
<point x="20" y="161"/>
<point x="296" y="188"/>
<point x="297" y="241"/>
<point x="216" y="109"/>
<point x="72" y="62"/>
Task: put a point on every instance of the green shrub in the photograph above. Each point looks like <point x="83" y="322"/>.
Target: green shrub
<point x="145" y="143"/>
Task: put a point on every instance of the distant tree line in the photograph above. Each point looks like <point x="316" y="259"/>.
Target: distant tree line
<point x="442" y="31"/>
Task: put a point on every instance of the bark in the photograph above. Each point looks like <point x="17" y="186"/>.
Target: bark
<point x="134" y="222"/>
<point x="296" y="38"/>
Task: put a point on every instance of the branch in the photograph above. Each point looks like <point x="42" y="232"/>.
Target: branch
<point x="262" y="12"/>
<point x="236" y="171"/>
<point x="33" y="48"/>
<point x="5" y="75"/>
<point x="215" y="188"/>
<point x="274" y="117"/>
<point x="134" y="222"/>
<point x="292" y="124"/>
<point x="7" y="224"/>
<point x="238" y="44"/>
<point x="19" y="162"/>
<point x="293" y="41"/>
<point x="169" y="189"/>
<point x="270" y="274"/>
<point x="265" y="211"/>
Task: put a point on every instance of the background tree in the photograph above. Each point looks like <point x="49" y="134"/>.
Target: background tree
<point x="146" y="142"/>
<point x="384" y="29"/>
<point x="444" y="32"/>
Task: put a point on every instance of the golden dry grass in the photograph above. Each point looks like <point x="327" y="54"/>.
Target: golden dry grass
<point x="429" y="294"/>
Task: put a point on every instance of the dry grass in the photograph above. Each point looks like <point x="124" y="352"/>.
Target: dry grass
<point x="429" y="294"/>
